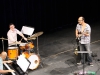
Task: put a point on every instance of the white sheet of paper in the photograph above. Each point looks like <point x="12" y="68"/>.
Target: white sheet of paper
<point x="23" y="63"/>
<point x="27" y="30"/>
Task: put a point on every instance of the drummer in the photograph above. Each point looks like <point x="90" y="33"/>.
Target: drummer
<point x="12" y="35"/>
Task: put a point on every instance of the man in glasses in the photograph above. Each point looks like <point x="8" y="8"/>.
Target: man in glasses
<point x="83" y="34"/>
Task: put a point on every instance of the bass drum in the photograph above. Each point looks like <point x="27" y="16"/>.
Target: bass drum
<point x="33" y="58"/>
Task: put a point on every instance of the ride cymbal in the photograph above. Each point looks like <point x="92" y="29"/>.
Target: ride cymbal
<point x="36" y="35"/>
<point x="31" y="38"/>
<point x="3" y="38"/>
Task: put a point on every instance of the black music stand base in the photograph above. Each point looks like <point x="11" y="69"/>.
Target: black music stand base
<point x="83" y="72"/>
<point x="83" y="63"/>
<point x="84" y="52"/>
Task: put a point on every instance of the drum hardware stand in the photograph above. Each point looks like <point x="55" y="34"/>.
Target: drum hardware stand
<point x="3" y="47"/>
<point x="39" y="53"/>
<point x="3" y="43"/>
<point x="30" y="50"/>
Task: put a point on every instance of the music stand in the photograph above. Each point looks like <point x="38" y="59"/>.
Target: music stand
<point x="84" y="52"/>
<point x="27" y="30"/>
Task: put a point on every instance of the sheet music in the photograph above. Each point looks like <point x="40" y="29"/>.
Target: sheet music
<point x="23" y="63"/>
<point x="27" y="30"/>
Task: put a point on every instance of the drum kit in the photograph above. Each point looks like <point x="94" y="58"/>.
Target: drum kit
<point x="34" y="58"/>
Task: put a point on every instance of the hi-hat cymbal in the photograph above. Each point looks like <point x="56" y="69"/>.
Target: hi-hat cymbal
<point x="3" y="38"/>
<point x="36" y="35"/>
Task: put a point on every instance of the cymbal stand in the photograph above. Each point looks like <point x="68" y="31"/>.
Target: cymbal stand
<point x="39" y="53"/>
<point x="3" y="44"/>
<point x="37" y="48"/>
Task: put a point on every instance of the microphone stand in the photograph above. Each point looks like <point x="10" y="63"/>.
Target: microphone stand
<point x="78" y="57"/>
<point x="84" y="52"/>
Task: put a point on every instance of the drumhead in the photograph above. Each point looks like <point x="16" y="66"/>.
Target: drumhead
<point x="35" y="61"/>
<point x="22" y="44"/>
<point x="12" y="47"/>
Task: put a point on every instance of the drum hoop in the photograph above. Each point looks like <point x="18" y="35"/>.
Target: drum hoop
<point x="12" y="47"/>
<point x="22" y="44"/>
<point x="30" y="43"/>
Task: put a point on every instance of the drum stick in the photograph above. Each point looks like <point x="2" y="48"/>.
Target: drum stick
<point x="21" y="39"/>
<point x="26" y="41"/>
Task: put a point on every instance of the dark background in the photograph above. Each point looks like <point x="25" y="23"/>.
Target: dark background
<point x="46" y="15"/>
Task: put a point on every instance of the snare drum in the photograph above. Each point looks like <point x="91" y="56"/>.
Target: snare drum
<point x="26" y="54"/>
<point x="22" y="46"/>
<point x="12" y="52"/>
<point x="34" y="60"/>
<point x="29" y="45"/>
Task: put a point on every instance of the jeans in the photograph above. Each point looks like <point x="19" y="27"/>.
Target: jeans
<point x="86" y="47"/>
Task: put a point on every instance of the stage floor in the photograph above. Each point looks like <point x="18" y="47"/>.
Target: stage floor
<point x="56" y="50"/>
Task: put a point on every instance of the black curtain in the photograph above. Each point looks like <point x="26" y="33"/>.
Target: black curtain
<point x="45" y="15"/>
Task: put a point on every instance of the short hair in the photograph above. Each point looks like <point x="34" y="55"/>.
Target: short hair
<point x="82" y="18"/>
<point x="11" y="24"/>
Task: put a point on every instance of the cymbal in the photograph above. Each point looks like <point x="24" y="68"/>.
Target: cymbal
<point x="36" y="35"/>
<point x="3" y="38"/>
<point x="16" y="43"/>
<point x="31" y="38"/>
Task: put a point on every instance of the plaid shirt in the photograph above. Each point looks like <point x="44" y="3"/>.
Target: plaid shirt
<point x="84" y="39"/>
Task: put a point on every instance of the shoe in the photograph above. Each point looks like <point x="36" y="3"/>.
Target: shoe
<point x="91" y="64"/>
<point x="79" y="63"/>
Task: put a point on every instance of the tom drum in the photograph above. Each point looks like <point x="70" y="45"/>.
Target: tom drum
<point x="12" y="52"/>
<point x="29" y="45"/>
<point x="22" y="46"/>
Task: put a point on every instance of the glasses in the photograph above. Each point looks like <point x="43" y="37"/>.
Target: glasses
<point x="80" y="20"/>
